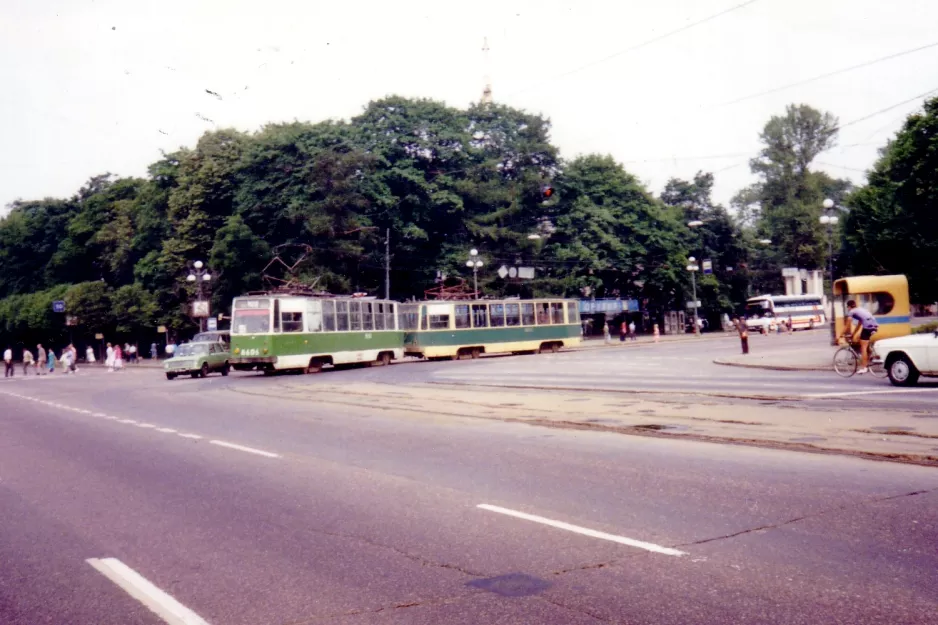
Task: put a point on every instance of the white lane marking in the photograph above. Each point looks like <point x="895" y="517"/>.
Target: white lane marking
<point x="668" y="551"/>
<point x="885" y="391"/>
<point x="112" y="418"/>
<point x="145" y="425"/>
<point x="141" y="589"/>
<point x="166" y="430"/>
<point x="192" y="436"/>
<point x="250" y="450"/>
<point x="126" y="421"/>
<point x="100" y="415"/>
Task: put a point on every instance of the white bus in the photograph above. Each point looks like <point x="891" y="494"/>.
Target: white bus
<point x="766" y="312"/>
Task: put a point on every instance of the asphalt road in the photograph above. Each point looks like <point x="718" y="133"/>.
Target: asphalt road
<point x="256" y="510"/>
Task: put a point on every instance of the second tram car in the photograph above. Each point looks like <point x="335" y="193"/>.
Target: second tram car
<point x="467" y="329"/>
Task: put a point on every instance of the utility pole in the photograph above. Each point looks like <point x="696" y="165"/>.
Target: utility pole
<point x="387" y="264"/>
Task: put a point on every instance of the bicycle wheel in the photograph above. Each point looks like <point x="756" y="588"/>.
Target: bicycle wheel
<point x="878" y="370"/>
<point x="845" y="362"/>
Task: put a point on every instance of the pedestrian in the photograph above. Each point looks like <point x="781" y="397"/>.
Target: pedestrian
<point x="790" y="324"/>
<point x="72" y="358"/>
<point x="632" y="331"/>
<point x="153" y="351"/>
<point x="656" y="333"/>
<point x="133" y="354"/>
<point x="40" y="358"/>
<point x="27" y="361"/>
<point x="607" y="337"/>
<point x="171" y="346"/>
<point x="623" y="331"/>
<point x="89" y="355"/>
<point x="50" y="361"/>
<point x="118" y="358"/>
<point x="8" y="362"/>
<point x="66" y="354"/>
<point x="109" y="357"/>
<point x="743" y="334"/>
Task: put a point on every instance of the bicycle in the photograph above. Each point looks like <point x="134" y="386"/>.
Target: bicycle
<point x="847" y="361"/>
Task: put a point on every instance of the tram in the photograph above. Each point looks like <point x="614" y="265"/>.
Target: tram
<point x="466" y="329"/>
<point x="886" y="297"/>
<point x="277" y="331"/>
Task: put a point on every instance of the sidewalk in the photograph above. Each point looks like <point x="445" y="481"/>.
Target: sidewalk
<point x="800" y="358"/>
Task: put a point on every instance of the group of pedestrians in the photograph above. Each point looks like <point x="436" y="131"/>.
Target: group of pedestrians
<point x="43" y="362"/>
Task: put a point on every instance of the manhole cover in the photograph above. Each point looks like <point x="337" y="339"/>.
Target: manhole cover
<point x="512" y="585"/>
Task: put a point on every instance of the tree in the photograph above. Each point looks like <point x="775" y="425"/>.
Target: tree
<point x="788" y="197"/>
<point x="892" y="225"/>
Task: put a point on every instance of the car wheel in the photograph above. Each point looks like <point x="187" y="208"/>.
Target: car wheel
<point x="170" y="376"/>
<point x="902" y="372"/>
<point x="194" y="375"/>
<point x="204" y="370"/>
<point x="226" y="369"/>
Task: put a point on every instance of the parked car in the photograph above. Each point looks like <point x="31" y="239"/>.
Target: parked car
<point x="220" y="336"/>
<point x="198" y="360"/>
<point x="907" y="358"/>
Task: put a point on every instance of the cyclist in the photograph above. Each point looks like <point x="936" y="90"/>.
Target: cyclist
<point x="866" y="324"/>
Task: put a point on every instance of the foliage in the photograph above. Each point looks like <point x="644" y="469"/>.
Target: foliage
<point x="893" y="222"/>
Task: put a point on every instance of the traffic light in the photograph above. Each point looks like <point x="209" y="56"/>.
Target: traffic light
<point x="547" y="192"/>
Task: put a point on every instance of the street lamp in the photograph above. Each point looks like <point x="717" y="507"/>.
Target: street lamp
<point x="830" y="220"/>
<point x="475" y="263"/>
<point x="199" y="274"/>
<point x="693" y="268"/>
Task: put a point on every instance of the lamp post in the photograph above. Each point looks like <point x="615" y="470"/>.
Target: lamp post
<point x="199" y="274"/>
<point x="693" y="268"/>
<point x="474" y="263"/>
<point x="693" y="225"/>
<point x="830" y="220"/>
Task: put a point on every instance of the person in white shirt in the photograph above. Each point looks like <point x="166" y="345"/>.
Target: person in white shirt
<point x="8" y="363"/>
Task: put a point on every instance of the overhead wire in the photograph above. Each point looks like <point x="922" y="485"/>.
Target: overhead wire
<point x="828" y="74"/>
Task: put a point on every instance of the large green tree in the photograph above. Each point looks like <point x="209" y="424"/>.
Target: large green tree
<point x="892" y="226"/>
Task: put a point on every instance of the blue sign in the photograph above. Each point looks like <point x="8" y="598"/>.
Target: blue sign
<point x="212" y="324"/>
<point x="614" y="306"/>
<point x="58" y="306"/>
<point x="707" y="267"/>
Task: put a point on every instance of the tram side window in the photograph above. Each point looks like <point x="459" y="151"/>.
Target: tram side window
<point x="368" y="323"/>
<point x="543" y="313"/>
<point x="379" y="316"/>
<point x="512" y="314"/>
<point x="408" y="321"/>
<point x="439" y="322"/>
<point x="389" y="316"/>
<point x="314" y="316"/>
<point x="328" y="316"/>
<point x="462" y="316"/>
<point x="292" y="322"/>
<point x="341" y="316"/>
<point x="480" y="316"/>
<point x="276" y="315"/>
<point x="556" y="312"/>
<point x="355" y="316"/>
<point x="498" y="315"/>
<point x="573" y="312"/>
<point x="527" y="314"/>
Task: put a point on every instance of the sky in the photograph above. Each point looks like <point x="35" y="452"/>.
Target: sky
<point x="94" y="86"/>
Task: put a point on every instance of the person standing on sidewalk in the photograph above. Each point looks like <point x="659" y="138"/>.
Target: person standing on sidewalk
<point x="632" y="335"/>
<point x="153" y="351"/>
<point x="109" y="358"/>
<point x="40" y="359"/>
<point x="118" y="357"/>
<point x="656" y="333"/>
<point x="743" y="334"/>
<point x="607" y="337"/>
<point x="50" y="360"/>
<point x="623" y="331"/>
<point x="8" y="362"/>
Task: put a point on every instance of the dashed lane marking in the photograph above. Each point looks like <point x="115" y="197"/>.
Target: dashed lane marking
<point x="585" y="531"/>
<point x="249" y="450"/>
<point x="144" y="591"/>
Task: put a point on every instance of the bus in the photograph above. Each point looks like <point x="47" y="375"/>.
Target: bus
<point x="469" y="328"/>
<point x="886" y="297"/>
<point x="277" y="331"/>
<point x="766" y="312"/>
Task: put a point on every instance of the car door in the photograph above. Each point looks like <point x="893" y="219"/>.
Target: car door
<point x="215" y="357"/>
<point x="931" y="353"/>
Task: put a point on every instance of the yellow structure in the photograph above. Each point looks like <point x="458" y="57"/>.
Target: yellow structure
<point x="886" y="297"/>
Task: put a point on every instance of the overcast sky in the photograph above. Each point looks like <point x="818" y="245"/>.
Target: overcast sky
<point x="91" y="86"/>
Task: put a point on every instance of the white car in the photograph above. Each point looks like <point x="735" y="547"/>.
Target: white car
<point x="906" y="358"/>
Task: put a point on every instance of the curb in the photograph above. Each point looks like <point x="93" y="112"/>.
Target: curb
<point x="744" y="365"/>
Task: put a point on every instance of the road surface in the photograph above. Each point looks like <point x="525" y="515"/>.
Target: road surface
<point x="127" y="499"/>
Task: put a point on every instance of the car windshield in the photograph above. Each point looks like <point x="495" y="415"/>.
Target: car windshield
<point x="192" y="349"/>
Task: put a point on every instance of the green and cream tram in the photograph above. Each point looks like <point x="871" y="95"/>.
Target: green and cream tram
<point x="276" y="332"/>
<point x="466" y="329"/>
